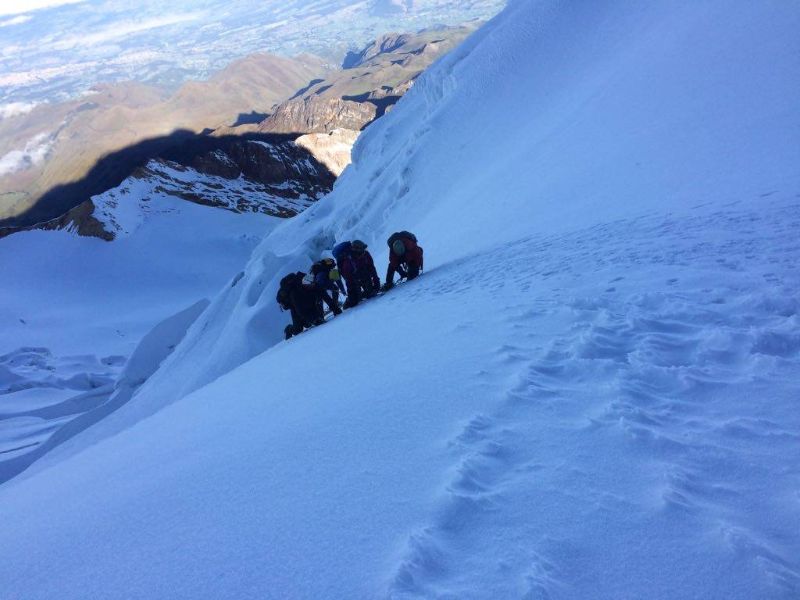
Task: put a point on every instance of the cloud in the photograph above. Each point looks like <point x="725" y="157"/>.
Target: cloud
<point x="15" y="20"/>
<point x="121" y="30"/>
<point x="39" y="75"/>
<point x="17" y="7"/>
<point x="35" y="152"/>
<point x="14" y="109"/>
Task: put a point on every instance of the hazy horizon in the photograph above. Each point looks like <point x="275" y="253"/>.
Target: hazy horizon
<point x="52" y="50"/>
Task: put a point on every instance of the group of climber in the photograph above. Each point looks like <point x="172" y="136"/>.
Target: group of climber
<point x="307" y="294"/>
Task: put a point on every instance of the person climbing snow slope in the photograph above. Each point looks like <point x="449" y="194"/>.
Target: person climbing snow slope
<point x="358" y="270"/>
<point x="328" y="279"/>
<point x="405" y="257"/>
<point x="299" y="294"/>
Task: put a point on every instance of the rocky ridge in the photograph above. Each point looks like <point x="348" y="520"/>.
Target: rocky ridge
<point x="278" y="177"/>
<point x="71" y="138"/>
<point x="371" y="81"/>
<point x="315" y="114"/>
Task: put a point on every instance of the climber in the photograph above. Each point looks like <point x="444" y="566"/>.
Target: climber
<point x="405" y="257"/>
<point x="298" y="294"/>
<point x="358" y="270"/>
<point x="327" y="278"/>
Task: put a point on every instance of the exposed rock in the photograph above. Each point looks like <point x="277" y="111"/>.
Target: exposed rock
<point x="386" y="44"/>
<point x="371" y="82"/>
<point x="331" y="149"/>
<point x="80" y="220"/>
<point x="282" y="166"/>
<point x="319" y="115"/>
<point x="216" y="163"/>
<point x="118" y="120"/>
<point x="279" y="178"/>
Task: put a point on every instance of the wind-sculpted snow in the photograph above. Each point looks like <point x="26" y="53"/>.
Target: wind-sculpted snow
<point x="643" y="405"/>
<point x="31" y="431"/>
<point x="591" y="392"/>
<point x="83" y="305"/>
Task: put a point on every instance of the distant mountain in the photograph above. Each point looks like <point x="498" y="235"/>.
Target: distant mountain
<point x="318" y="114"/>
<point x="371" y="81"/>
<point x="78" y="149"/>
<point x="276" y="176"/>
<point x="63" y="142"/>
<point x="391" y="44"/>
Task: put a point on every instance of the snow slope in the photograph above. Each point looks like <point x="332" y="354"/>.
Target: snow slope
<point x="73" y="309"/>
<point x="592" y="392"/>
<point x="173" y="253"/>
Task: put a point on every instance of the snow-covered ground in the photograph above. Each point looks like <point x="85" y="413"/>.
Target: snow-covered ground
<point x="74" y="308"/>
<point x="69" y="293"/>
<point x="591" y="393"/>
<point x="633" y="433"/>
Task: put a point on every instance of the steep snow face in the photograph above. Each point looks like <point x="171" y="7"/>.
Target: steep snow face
<point x="550" y="118"/>
<point x="617" y="420"/>
<point x="591" y="393"/>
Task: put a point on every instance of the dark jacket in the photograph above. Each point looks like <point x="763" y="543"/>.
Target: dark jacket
<point x="303" y="301"/>
<point x="356" y="268"/>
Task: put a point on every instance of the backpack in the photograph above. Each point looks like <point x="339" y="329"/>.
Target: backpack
<point x="401" y="235"/>
<point x="340" y="250"/>
<point x="284" y="290"/>
<point x="323" y="266"/>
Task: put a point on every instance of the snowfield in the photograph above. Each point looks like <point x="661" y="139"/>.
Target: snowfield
<point x="74" y="309"/>
<point x="593" y="392"/>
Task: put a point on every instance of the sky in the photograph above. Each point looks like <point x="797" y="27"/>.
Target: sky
<point x="17" y="7"/>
